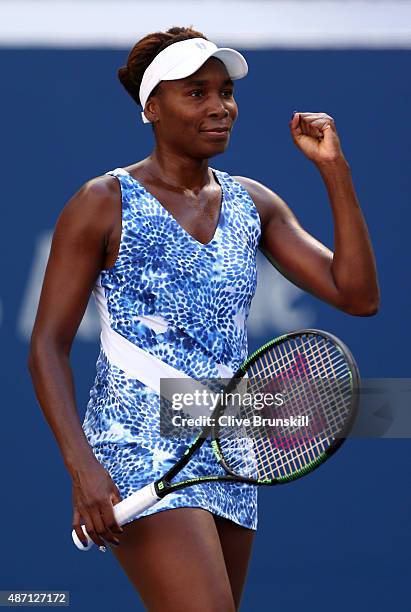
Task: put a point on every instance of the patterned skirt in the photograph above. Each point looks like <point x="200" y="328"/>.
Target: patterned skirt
<point x="122" y="425"/>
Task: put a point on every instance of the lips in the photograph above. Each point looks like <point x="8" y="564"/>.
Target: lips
<point x="217" y="129"/>
<point x="217" y="133"/>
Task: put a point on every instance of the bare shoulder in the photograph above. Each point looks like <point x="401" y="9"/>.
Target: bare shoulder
<point x="94" y="197"/>
<point x="268" y="203"/>
<point x="254" y="188"/>
<point x="94" y="207"/>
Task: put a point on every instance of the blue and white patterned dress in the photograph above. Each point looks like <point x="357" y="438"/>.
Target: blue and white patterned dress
<point x="186" y="303"/>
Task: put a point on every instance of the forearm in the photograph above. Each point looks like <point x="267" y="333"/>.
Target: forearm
<point x="353" y="267"/>
<point x="54" y="386"/>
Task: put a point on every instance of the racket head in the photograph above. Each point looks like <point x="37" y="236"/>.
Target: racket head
<point x="322" y="381"/>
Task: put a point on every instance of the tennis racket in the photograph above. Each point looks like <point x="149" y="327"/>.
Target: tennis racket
<point x="318" y="379"/>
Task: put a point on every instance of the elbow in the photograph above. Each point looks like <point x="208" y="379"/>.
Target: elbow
<point x="39" y="353"/>
<point x="365" y="312"/>
<point x="32" y="359"/>
<point x="32" y="364"/>
<point x="364" y="309"/>
<point x="44" y="349"/>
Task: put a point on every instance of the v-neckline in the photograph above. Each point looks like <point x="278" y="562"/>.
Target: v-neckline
<point x="168" y="213"/>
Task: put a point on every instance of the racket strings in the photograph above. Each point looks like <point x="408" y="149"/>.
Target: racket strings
<point x="319" y="386"/>
<point x="295" y="392"/>
<point x="288" y="442"/>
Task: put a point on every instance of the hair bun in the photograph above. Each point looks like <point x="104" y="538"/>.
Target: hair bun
<point x="124" y="76"/>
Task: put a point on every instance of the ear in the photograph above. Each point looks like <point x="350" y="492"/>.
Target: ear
<point x="151" y="110"/>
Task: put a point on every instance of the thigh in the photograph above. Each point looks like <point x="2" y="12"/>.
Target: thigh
<point x="175" y="561"/>
<point x="236" y="544"/>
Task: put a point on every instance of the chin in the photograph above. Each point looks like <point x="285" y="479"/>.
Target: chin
<point x="213" y="150"/>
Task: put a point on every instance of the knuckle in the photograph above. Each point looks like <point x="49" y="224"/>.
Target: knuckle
<point x="92" y="504"/>
<point x="101" y="532"/>
<point x="82" y="506"/>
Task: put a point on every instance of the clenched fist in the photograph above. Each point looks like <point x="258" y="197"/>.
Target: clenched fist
<point x="316" y="136"/>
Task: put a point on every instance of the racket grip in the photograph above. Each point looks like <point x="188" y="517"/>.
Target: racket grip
<point x="123" y="511"/>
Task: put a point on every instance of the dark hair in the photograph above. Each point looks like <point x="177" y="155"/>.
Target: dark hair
<point x="143" y="53"/>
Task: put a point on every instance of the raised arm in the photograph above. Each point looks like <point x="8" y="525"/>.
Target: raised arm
<point x="79" y="251"/>
<point x="347" y="277"/>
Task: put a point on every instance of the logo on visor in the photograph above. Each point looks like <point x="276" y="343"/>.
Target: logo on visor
<point x="201" y="45"/>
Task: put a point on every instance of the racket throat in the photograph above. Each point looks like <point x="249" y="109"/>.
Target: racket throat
<point x="162" y="487"/>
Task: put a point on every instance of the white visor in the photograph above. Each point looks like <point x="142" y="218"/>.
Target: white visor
<point x="183" y="58"/>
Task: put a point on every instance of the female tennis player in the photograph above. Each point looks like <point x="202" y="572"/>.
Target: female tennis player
<point x="168" y="247"/>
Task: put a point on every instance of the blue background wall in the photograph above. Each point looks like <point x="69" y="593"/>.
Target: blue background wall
<point x="339" y="538"/>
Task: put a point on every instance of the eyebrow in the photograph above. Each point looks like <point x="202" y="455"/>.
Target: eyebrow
<point x="202" y="82"/>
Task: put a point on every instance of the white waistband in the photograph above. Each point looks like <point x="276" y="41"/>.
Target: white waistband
<point x="135" y="362"/>
<point x="148" y="369"/>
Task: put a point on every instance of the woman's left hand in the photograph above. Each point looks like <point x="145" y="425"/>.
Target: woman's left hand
<point x="316" y="136"/>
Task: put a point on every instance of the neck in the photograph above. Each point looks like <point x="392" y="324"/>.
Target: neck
<point x="178" y="170"/>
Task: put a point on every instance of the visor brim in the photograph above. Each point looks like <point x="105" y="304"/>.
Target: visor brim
<point x="234" y="62"/>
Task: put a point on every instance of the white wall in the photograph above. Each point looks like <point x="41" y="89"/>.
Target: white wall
<point x="243" y="23"/>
